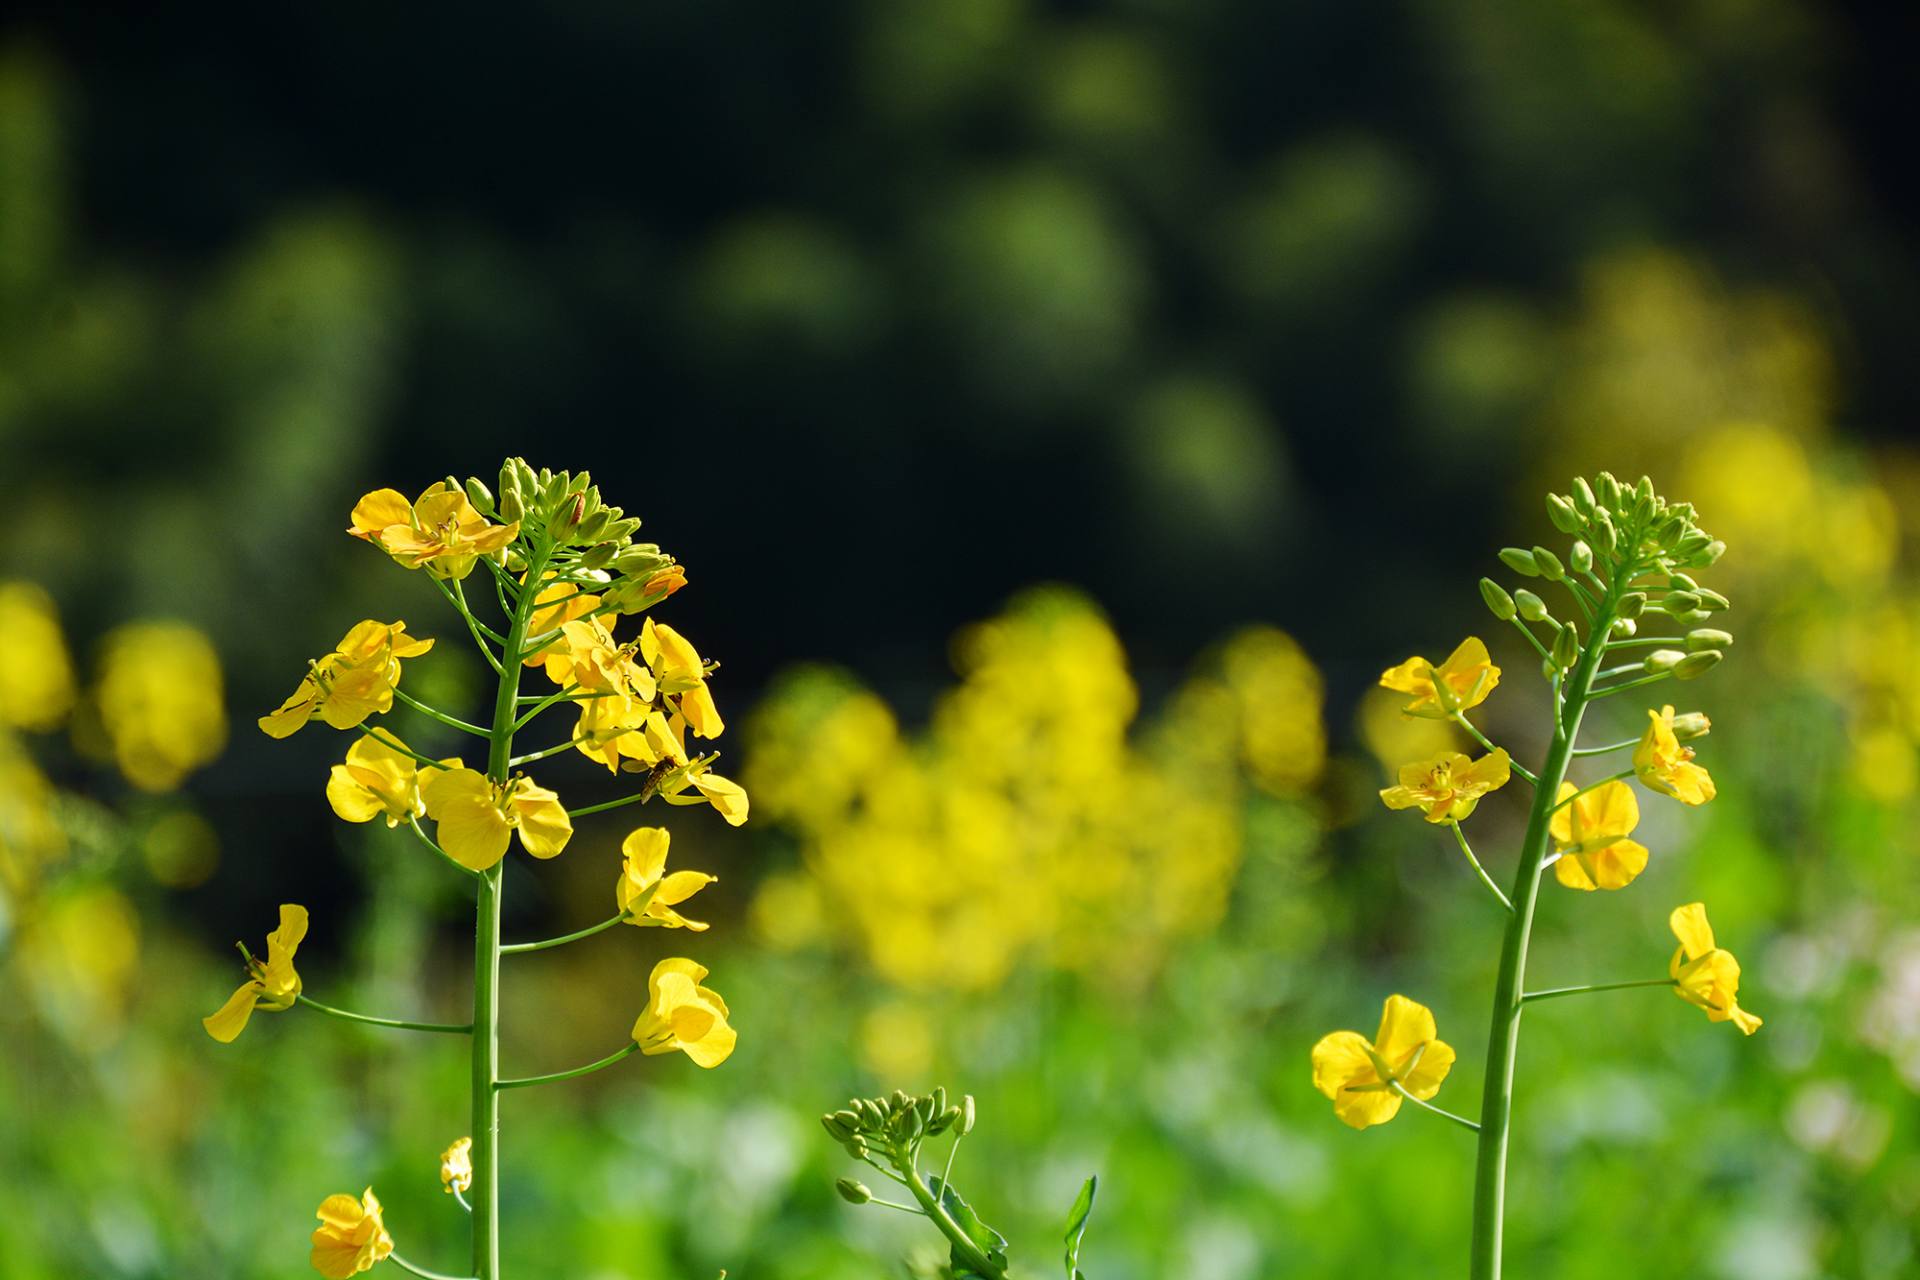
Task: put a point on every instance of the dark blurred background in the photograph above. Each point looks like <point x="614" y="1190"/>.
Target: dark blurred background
<point x="1220" y="312"/>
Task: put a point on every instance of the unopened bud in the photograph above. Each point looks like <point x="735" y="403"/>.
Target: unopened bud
<point x="1708" y="638"/>
<point x="598" y="556"/>
<point x="1697" y="664"/>
<point x="1625" y="627"/>
<point x="1566" y="647"/>
<point x="1632" y="604"/>
<point x="566" y="517"/>
<point x="1678" y="602"/>
<point x="964" y="1125"/>
<point x="1580" y="557"/>
<point x="1603" y="532"/>
<point x="853" y="1192"/>
<point x="1531" y="606"/>
<point x="857" y="1147"/>
<point x="593" y="526"/>
<point x="1561" y="512"/>
<point x="1692" y="617"/>
<point x="1662" y="660"/>
<point x="479" y="495"/>
<point x="1520" y="561"/>
<point x="1711" y="601"/>
<point x="1609" y="490"/>
<point x="1498" y="601"/>
<point x="1710" y="554"/>
<point x="836" y="1129"/>
<point x="1549" y="564"/>
<point x="1692" y="724"/>
<point x="516" y="560"/>
<point x="1582" y="496"/>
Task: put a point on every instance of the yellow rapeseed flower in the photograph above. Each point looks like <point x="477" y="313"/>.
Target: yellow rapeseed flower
<point x="378" y="780"/>
<point x="272" y="984"/>
<point x="351" y="1237"/>
<point x="617" y="727"/>
<point x="1702" y="973"/>
<point x="1664" y="765"/>
<point x="440" y="531"/>
<point x="724" y="794"/>
<point x="160" y="702"/>
<point x="456" y="1166"/>
<point x="1463" y="681"/>
<point x="646" y="891"/>
<point x="1448" y="786"/>
<point x="587" y="656"/>
<point x="36" y="674"/>
<point x="557" y="603"/>
<point x="1591" y="837"/>
<point x="683" y="1015"/>
<point x="477" y="816"/>
<point x="1355" y="1071"/>
<point x="353" y="682"/>
<point x="677" y="666"/>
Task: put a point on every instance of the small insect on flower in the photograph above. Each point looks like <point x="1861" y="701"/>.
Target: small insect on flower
<point x="272" y="985"/>
<point x="1590" y="835"/>
<point x="1446" y="787"/>
<point x="351" y="1237"/>
<point x="724" y="794"/>
<point x="1462" y="682"/>
<point x="1664" y="765"/>
<point x="477" y="816"/>
<point x="440" y="531"/>
<point x="456" y="1166"/>
<point x="645" y="892"/>
<point x="377" y="780"/>
<point x="353" y="682"/>
<point x="682" y="1015"/>
<point x="1702" y="973"/>
<point x="1360" y="1074"/>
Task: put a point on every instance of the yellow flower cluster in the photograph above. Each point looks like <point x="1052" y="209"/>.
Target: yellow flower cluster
<point x="159" y="702"/>
<point x="354" y="681"/>
<point x="440" y="531"/>
<point x="1026" y="824"/>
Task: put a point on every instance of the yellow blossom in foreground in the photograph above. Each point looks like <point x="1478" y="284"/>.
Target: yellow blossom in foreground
<point x="618" y="727"/>
<point x="557" y="603"/>
<point x="440" y="530"/>
<point x="273" y="984"/>
<point x="353" y="682"/>
<point x="477" y="816"/>
<point x="683" y="1015"/>
<point x="724" y="794"/>
<point x="160" y="702"/>
<point x="1447" y="787"/>
<point x="1591" y="837"/>
<point x="677" y="666"/>
<point x="456" y="1166"/>
<point x="586" y="655"/>
<point x="1355" y="1072"/>
<point x="1464" y="680"/>
<point x="351" y="1237"/>
<point x="1702" y="973"/>
<point x="1664" y="765"/>
<point x="647" y="891"/>
<point x="36" y="675"/>
<point x="378" y="780"/>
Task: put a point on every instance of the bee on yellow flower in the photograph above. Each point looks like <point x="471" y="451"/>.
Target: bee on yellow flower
<point x="456" y="1166"/>
<point x="351" y="1237"/>
<point x="646" y="892"/>
<point x="353" y="682"/>
<point x="1702" y="973"/>
<point x="1460" y="683"/>
<point x="684" y="1016"/>
<point x="439" y="531"/>
<point x="1664" y="765"/>
<point x="1590" y="836"/>
<point x="1359" y="1074"/>
<point x="477" y="817"/>
<point x="272" y="985"/>
<point x="376" y="780"/>
<point x="1447" y="786"/>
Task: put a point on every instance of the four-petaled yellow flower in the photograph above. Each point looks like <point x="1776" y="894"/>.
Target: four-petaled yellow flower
<point x="724" y="794"/>
<point x="1591" y="837"/>
<point x="1702" y="973"/>
<point x="1665" y="766"/>
<point x="646" y="891"/>
<point x="1463" y="681"/>
<point x="440" y="531"/>
<point x="477" y="816"/>
<point x="353" y="682"/>
<point x="677" y="666"/>
<point x="273" y="984"/>
<point x="378" y="780"/>
<point x="1448" y="786"/>
<point x="683" y="1015"/>
<point x="557" y="603"/>
<point x="351" y="1237"/>
<point x="1359" y="1074"/>
<point x="456" y="1166"/>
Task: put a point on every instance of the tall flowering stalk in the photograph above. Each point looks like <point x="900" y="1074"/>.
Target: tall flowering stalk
<point x="1628" y="567"/>
<point x="564" y="569"/>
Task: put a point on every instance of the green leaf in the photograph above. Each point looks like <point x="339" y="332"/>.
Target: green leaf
<point x="1077" y="1225"/>
<point x="989" y="1241"/>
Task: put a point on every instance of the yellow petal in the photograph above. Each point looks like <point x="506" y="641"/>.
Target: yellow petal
<point x="1608" y="810"/>
<point x="231" y="1019"/>
<point x="376" y="511"/>
<point x="1364" y="1109"/>
<point x="349" y="798"/>
<point x="729" y="797"/>
<point x="545" y="827"/>
<point x="1424" y="1080"/>
<point x="1415" y="675"/>
<point x="1404" y="1026"/>
<point x="647" y="847"/>
<point x="1340" y="1059"/>
<point x="1689" y="924"/>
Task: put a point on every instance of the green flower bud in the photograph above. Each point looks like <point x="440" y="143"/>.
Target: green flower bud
<point x="1580" y="557"/>
<point x="1712" y="553"/>
<point x="857" y="1147"/>
<point x="579" y="483"/>
<point x="1561" y="512"/>
<point x="835" y="1129"/>
<point x="965" y="1124"/>
<point x="1549" y="564"/>
<point x="853" y="1192"/>
<point x="871" y="1113"/>
<point x="1521" y="562"/>
<point x="623" y="528"/>
<point x="1608" y="489"/>
<point x="592" y="526"/>
<point x="850" y="1119"/>
<point x="565" y="518"/>
<point x="940" y="1098"/>
<point x="1662" y="660"/>
<point x="1712" y="601"/>
<point x="1582" y="496"/>
<point x="1692" y="724"/>
<point x="597" y="556"/>
<point x="899" y="1101"/>
<point x="1677" y="602"/>
<point x="1708" y="638"/>
<point x="1566" y="647"/>
<point x="516" y="560"/>
<point x="1632" y="604"/>
<point x="1682" y="581"/>
<point x="479" y="495"/>
<point x="1697" y="664"/>
<point x="1498" y="601"/>
<point x="1625" y="627"/>
<point x="1692" y="617"/>
<point x="1604" y="535"/>
<point x="1531" y="606"/>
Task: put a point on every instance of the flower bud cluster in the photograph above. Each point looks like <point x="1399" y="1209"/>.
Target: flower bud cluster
<point x="899" y="1122"/>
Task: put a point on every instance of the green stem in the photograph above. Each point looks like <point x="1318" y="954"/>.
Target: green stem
<point x="1553" y="993"/>
<point x="1484" y="741"/>
<point x="434" y="713"/>
<point x="531" y="756"/>
<point x="963" y="1246"/>
<point x="386" y="739"/>
<point x="521" y="1082"/>
<point x="645" y="793"/>
<point x="1611" y="746"/>
<point x="1442" y="1112"/>
<point x="1532" y="639"/>
<point x="398" y="1024"/>
<point x="422" y="1272"/>
<point x="1632" y="642"/>
<point x="1610" y="690"/>
<point x="434" y="845"/>
<point x="1479" y="870"/>
<point x="514" y="948"/>
<point x="478" y="632"/>
<point x="1503" y="1035"/>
